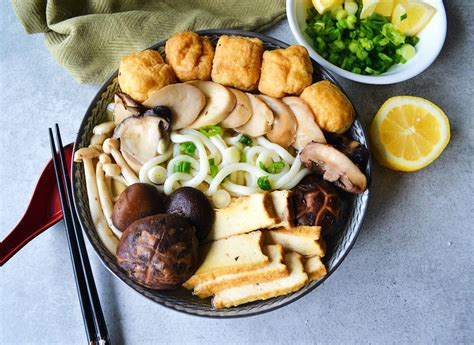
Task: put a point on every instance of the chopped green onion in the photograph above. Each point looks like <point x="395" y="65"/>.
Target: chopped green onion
<point x="273" y="168"/>
<point x="340" y="14"/>
<point x="187" y="148"/>
<point x="407" y="51"/>
<point x="369" y="46"/>
<point x="351" y="7"/>
<point x="403" y="17"/>
<point x="210" y="131"/>
<point x="246" y="140"/>
<point x="276" y="167"/>
<point x="213" y="169"/>
<point x="182" y="167"/>
<point x="243" y="157"/>
<point x="264" y="183"/>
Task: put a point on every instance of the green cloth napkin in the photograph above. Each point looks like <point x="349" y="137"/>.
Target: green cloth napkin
<point x="88" y="37"/>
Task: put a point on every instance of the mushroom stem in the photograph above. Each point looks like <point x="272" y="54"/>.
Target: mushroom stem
<point x="105" y="199"/>
<point x="98" y="139"/>
<point x="103" y="230"/>
<point x="104" y="128"/>
<point x="96" y="147"/>
<point x="111" y="146"/>
<point x="120" y="179"/>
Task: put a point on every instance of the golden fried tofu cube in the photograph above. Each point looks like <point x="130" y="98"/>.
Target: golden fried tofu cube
<point x="142" y="73"/>
<point x="237" y="62"/>
<point x="190" y="56"/>
<point x="285" y="72"/>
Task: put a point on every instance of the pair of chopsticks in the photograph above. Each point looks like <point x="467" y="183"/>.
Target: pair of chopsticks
<point x="94" y="321"/>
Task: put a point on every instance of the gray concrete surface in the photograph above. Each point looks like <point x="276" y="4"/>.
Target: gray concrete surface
<point x="408" y="280"/>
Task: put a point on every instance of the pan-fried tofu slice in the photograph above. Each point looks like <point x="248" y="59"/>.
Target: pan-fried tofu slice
<point x="304" y="240"/>
<point x="231" y="255"/>
<point x="315" y="268"/>
<point x="274" y="270"/>
<point x="244" y="214"/>
<point x="260" y="291"/>
<point x="282" y="203"/>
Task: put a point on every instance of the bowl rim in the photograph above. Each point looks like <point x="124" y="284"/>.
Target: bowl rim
<point x="368" y="79"/>
<point x="291" y="297"/>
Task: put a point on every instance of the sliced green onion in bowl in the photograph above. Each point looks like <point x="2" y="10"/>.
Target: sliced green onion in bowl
<point x="213" y="169"/>
<point x="407" y="51"/>
<point x="210" y="131"/>
<point x="246" y="140"/>
<point x="182" y="167"/>
<point x="187" y="148"/>
<point x="264" y="183"/>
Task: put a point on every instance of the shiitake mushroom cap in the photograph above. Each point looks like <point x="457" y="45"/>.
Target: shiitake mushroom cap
<point x="137" y="201"/>
<point x="159" y="252"/>
<point x="194" y="206"/>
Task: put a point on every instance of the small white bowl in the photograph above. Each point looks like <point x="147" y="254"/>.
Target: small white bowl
<point x="431" y="41"/>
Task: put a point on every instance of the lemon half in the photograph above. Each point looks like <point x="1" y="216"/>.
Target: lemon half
<point x="408" y="133"/>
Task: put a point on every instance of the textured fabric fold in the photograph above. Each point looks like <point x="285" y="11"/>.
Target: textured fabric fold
<point x="88" y="37"/>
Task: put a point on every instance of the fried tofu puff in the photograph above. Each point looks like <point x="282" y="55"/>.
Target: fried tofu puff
<point x="190" y="55"/>
<point x="142" y="73"/>
<point x="285" y="72"/>
<point x="332" y="110"/>
<point x="237" y="62"/>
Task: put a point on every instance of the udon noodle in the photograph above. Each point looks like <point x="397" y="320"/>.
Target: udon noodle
<point x="238" y="166"/>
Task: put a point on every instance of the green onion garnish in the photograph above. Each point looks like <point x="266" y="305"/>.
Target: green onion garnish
<point x="210" y="131"/>
<point x="264" y="183"/>
<point x="243" y="157"/>
<point x="213" y="169"/>
<point x="367" y="46"/>
<point x="246" y="140"/>
<point x="273" y="168"/>
<point x="403" y="17"/>
<point x="187" y="148"/>
<point x="182" y="167"/>
<point x="276" y="167"/>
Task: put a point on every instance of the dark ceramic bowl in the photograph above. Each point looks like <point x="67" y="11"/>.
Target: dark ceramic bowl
<point x="180" y="299"/>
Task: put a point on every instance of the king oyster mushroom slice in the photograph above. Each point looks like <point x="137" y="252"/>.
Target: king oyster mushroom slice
<point x="184" y="100"/>
<point x="241" y="113"/>
<point x="283" y="130"/>
<point x="220" y="102"/>
<point x="334" y="166"/>
<point x="261" y="121"/>
<point x="307" y="129"/>
<point x="125" y="107"/>
<point x="140" y="137"/>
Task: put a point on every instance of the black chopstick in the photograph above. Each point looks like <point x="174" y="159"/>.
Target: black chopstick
<point x="94" y="321"/>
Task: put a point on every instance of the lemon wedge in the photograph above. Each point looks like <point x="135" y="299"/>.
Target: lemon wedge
<point x="408" y="133"/>
<point x="411" y="18"/>
<point x="382" y="7"/>
<point x="326" y="5"/>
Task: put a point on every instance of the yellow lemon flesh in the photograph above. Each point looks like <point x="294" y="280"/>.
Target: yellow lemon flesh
<point x="382" y="7"/>
<point x="411" y="18"/>
<point x="408" y="133"/>
<point x="326" y="5"/>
